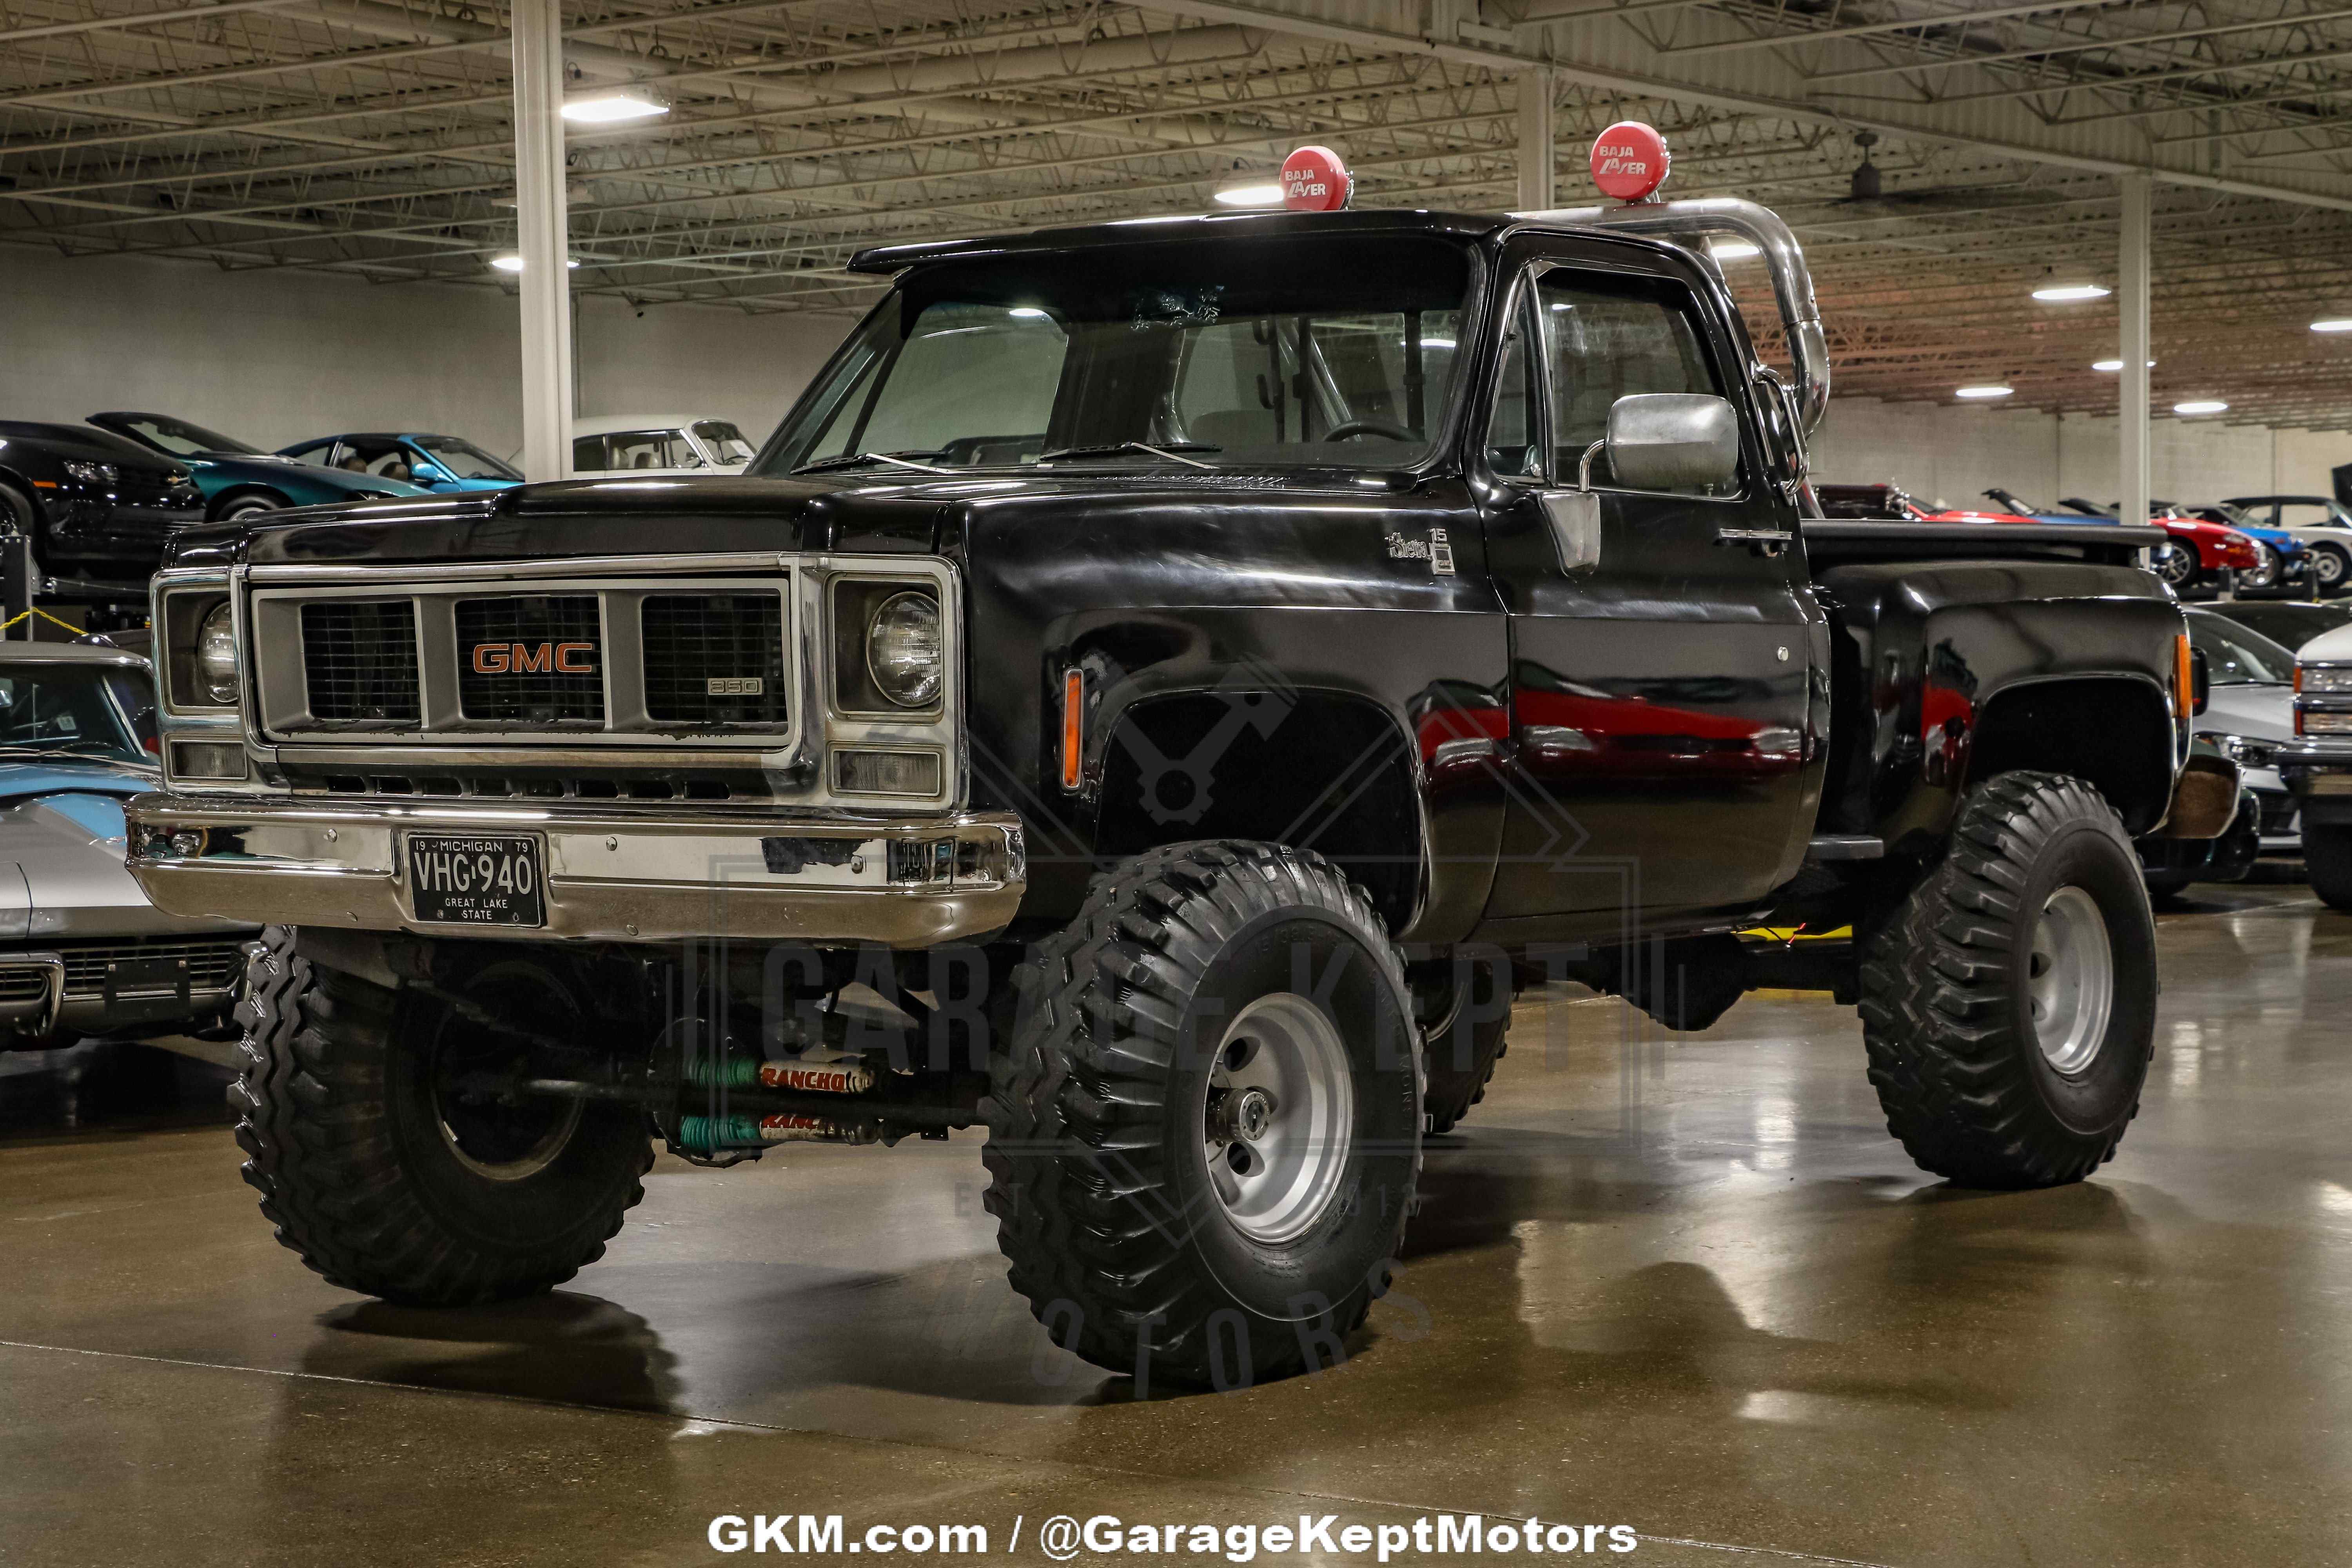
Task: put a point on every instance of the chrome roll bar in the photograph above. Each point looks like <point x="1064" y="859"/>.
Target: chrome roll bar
<point x="1792" y="282"/>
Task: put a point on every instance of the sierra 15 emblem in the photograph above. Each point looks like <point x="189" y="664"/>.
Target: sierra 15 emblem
<point x="523" y="658"/>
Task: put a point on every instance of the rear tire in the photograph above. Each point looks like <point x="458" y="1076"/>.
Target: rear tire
<point x="2331" y="572"/>
<point x="245" y="506"/>
<point x="2008" y="1004"/>
<point x="389" y="1181"/>
<point x="2327" y="857"/>
<point x="1148" y="1230"/>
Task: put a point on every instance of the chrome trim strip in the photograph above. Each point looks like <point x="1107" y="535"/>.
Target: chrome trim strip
<point x="45" y="1008"/>
<point x="752" y="561"/>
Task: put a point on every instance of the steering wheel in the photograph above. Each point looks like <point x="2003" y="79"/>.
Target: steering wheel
<point x="1370" y="428"/>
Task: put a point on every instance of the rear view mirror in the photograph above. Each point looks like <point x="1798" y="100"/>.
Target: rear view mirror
<point x="1673" y="441"/>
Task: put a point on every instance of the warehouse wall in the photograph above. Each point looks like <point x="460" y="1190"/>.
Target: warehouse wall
<point x="1953" y="452"/>
<point x="274" y="355"/>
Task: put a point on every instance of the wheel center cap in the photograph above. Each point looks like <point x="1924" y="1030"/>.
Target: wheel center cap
<point x="1253" y="1113"/>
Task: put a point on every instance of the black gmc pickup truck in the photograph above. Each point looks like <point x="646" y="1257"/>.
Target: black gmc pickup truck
<point x="1180" y="678"/>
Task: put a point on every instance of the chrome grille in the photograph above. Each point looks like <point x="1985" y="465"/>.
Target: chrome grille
<point x="213" y="965"/>
<point x="359" y="662"/>
<point x="714" y="658"/>
<point x="535" y="658"/>
<point x="22" y="982"/>
<point x="532" y="660"/>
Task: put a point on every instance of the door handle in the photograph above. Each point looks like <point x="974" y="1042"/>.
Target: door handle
<point x="1765" y="541"/>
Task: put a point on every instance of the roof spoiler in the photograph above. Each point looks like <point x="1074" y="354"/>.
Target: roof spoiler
<point x="1792" y="282"/>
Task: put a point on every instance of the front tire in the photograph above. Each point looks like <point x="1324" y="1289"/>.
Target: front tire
<point x="1463" y="1004"/>
<point x="2327" y="858"/>
<point x="2008" y="1004"/>
<point x="385" y="1173"/>
<point x="1204" y="1134"/>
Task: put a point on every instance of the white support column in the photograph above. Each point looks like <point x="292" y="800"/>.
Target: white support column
<point x="1538" y="154"/>
<point x="542" y="223"/>
<point x="2131" y="300"/>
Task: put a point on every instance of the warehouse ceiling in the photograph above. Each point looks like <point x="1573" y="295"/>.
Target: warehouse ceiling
<point x="374" y="137"/>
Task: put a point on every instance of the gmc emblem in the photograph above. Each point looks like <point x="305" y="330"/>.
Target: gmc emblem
<point x="522" y="659"/>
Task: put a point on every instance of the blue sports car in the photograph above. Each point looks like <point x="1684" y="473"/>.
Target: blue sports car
<point x="238" y="480"/>
<point x="2282" y="562"/>
<point x="444" y="465"/>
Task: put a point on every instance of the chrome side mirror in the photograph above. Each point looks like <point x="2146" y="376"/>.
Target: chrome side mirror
<point x="1672" y="441"/>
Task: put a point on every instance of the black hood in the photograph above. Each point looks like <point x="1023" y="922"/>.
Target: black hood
<point x="90" y="444"/>
<point x="852" y="512"/>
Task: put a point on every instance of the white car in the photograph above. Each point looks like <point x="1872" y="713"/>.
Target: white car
<point x="2323" y="526"/>
<point x="2251" y="711"/>
<point x="658" y="444"/>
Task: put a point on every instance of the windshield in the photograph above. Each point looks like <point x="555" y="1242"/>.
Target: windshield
<point x="1236" y="353"/>
<point x="183" y="439"/>
<point x="64" y="710"/>
<point x="725" y="442"/>
<point x="2238" y="655"/>
<point x="464" y="460"/>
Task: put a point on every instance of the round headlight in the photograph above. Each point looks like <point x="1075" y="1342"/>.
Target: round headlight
<point x="217" y="655"/>
<point x="902" y="649"/>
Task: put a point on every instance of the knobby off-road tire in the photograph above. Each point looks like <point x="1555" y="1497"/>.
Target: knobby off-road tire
<point x="1991" y="1071"/>
<point x="352" y="1151"/>
<point x="2328" y="859"/>
<point x="1187" y="966"/>
<point x="1465" y="1005"/>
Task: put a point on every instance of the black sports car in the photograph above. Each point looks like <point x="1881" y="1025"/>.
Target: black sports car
<point x="94" y="505"/>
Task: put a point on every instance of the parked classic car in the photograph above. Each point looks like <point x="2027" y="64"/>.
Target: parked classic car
<point x="439" y="464"/>
<point x="661" y="444"/>
<point x="92" y="503"/>
<point x="1296" y="640"/>
<point x="2323" y="526"/>
<point x="1891" y="503"/>
<point x="2316" y="764"/>
<point x="2250" y="713"/>
<point x="239" y="479"/>
<point x="83" y="951"/>
<point x="2207" y="558"/>
<point x="2287" y="622"/>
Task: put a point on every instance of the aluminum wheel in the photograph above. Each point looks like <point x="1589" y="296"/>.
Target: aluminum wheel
<point x="2072" y="979"/>
<point x="2176" y="563"/>
<point x="1278" y="1117"/>
<point x="2327" y="568"/>
<point x="2264" y="571"/>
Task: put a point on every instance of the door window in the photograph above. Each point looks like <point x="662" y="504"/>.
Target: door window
<point x="652" y="449"/>
<point x="1604" y="343"/>
<point x="588" y="455"/>
<point x="2310" y="514"/>
<point x="1512" y="449"/>
<point x="377" y="455"/>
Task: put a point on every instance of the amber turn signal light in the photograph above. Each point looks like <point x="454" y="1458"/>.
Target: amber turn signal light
<point x="1074" y="750"/>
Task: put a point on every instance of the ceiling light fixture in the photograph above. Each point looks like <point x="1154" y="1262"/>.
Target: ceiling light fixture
<point x="612" y="107"/>
<point x="2334" y="324"/>
<point x="1978" y="393"/>
<point x="1255" y="193"/>
<point x="1733" y="250"/>
<point x="511" y="262"/>
<point x="1028" y="312"/>
<point x="2114" y="366"/>
<point x="2196" y="406"/>
<point x="2068" y="293"/>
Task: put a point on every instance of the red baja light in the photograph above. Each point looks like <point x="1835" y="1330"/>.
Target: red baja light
<point x="1314" y="181"/>
<point x="1630" y="160"/>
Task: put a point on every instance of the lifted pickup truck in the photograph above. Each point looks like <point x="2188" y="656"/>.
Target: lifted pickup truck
<point x="1268" y="639"/>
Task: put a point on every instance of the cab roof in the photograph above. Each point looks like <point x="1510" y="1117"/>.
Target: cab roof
<point x="889" y="258"/>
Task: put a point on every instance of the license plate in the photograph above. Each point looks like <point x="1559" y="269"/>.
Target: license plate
<point x="474" y="882"/>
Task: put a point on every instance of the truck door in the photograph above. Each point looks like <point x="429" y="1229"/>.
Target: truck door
<point x="1665" y="757"/>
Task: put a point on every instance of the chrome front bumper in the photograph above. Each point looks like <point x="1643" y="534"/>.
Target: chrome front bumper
<point x="614" y="871"/>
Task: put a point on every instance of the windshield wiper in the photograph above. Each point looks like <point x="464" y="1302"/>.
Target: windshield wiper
<point x="855" y="458"/>
<point x="1169" y="452"/>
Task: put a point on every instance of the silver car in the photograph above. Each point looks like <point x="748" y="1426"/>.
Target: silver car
<point x="2251" y="712"/>
<point x="83" y="953"/>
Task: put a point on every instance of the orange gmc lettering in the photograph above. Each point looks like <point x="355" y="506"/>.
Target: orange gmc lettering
<point x="520" y="659"/>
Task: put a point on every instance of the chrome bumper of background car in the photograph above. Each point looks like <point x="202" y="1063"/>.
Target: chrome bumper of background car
<point x="614" y="872"/>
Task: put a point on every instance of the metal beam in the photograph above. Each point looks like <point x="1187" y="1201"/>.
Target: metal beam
<point x="2131" y="300"/>
<point x="540" y="211"/>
